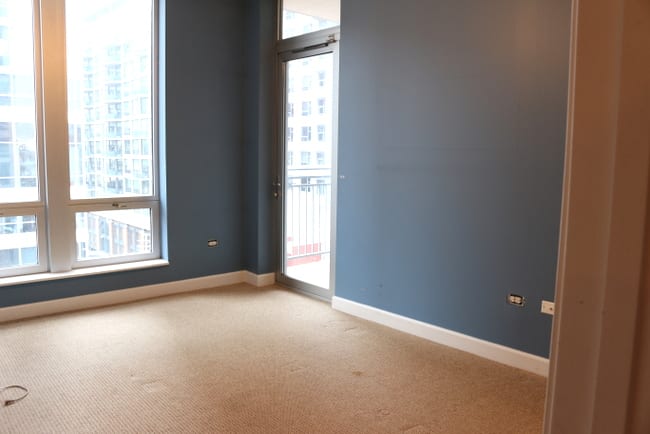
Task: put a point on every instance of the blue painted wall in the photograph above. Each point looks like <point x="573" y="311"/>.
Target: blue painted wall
<point x="452" y="127"/>
<point x="259" y="118"/>
<point x="203" y="82"/>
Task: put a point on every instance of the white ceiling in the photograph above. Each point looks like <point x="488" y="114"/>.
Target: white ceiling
<point x="328" y="9"/>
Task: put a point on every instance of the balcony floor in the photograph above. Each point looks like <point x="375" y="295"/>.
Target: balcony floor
<point x="316" y="273"/>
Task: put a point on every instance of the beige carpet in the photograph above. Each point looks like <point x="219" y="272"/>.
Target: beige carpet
<point x="245" y="360"/>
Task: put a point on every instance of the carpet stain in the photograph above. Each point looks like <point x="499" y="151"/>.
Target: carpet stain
<point x="150" y="385"/>
<point x="154" y="387"/>
<point x="332" y="323"/>
<point x="382" y="412"/>
<point x="357" y="373"/>
<point x="295" y="368"/>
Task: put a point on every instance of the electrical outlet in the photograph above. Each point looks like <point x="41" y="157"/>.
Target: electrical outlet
<point x="516" y="300"/>
<point x="213" y="243"/>
<point x="548" y="307"/>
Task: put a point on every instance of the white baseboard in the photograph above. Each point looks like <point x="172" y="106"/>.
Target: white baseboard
<point x="259" y="280"/>
<point x="108" y="298"/>
<point x="488" y="350"/>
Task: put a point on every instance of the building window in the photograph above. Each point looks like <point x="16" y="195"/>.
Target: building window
<point x="91" y="216"/>
<point x="321" y="78"/>
<point x="290" y="110"/>
<point x="113" y="92"/>
<point x="320" y="158"/>
<point x="321" y="133"/>
<point x="305" y="135"/>
<point x="321" y="106"/>
<point x="305" y="158"/>
<point x="306" y="108"/>
<point x="306" y="82"/>
<point x="290" y="158"/>
<point x="305" y="183"/>
<point x="290" y="134"/>
<point x="114" y="72"/>
<point x="5" y="84"/>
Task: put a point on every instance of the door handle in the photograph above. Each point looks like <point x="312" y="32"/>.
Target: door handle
<point x="276" y="188"/>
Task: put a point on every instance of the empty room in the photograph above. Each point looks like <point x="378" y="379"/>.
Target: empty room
<point x="324" y="216"/>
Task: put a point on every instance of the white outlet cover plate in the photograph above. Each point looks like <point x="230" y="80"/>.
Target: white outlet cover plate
<point x="548" y="307"/>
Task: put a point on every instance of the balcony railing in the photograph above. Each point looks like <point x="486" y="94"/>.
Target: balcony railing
<point x="307" y="219"/>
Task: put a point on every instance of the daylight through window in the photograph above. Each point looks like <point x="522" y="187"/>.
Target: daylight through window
<point x="88" y="123"/>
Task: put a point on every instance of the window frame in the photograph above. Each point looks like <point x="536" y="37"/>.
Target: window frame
<point x="57" y="240"/>
<point x="287" y="50"/>
<point x="133" y="257"/>
<point x="65" y="214"/>
<point x="34" y="207"/>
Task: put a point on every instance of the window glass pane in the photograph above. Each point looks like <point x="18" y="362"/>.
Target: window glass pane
<point x="18" y="152"/>
<point x="308" y="175"/>
<point x="106" y="234"/>
<point x="109" y="55"/>
<point x="18" y="241"/>
<point x="306" y="16"/>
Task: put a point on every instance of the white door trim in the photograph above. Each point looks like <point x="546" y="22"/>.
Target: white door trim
<point x="603" y="219"/>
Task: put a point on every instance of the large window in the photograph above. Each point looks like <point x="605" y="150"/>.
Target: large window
<point x="88" y="123"/>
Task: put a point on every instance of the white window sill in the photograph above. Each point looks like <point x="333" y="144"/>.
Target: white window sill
<point x="90" y="271"/>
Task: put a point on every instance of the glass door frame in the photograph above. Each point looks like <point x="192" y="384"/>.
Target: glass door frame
<point x="300" y="47"/>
